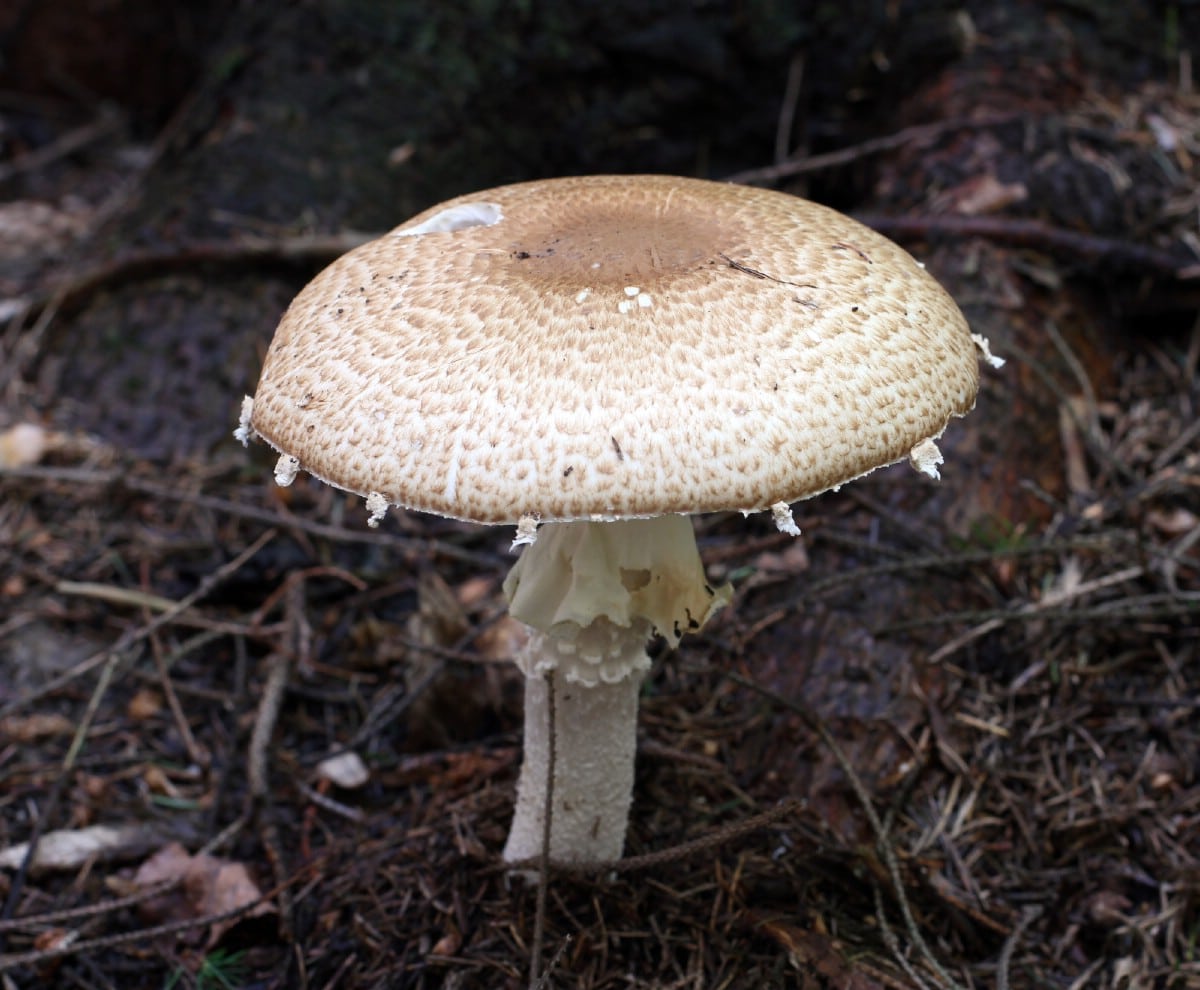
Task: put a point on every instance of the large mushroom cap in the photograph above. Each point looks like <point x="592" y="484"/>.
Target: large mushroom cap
<point x="613" y="347"/>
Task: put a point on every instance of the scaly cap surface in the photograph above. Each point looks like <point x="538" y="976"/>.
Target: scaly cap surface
<point x="613" y="347"/>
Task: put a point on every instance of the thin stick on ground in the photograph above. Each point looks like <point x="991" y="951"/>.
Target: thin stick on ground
<point x="1050" y="601"/>
<point x="296" y="650"/>
<point x="536" y="980"/>
<point x="105" y="124"/>
<point x="705" y="843"/>
<point x="50" y="808"/>
<point x="122" y="477"/>
<point x="196" y="753"/>
<point x="77" y="287"/>
<point x="112" y="659"/>
<point x="26" y="346"/>
<point x="68" y="948"/>
<point x="135" y="636"/>
<point x="875" y="146"/>
<point x="42" y="920"/>
<point x="1103" y="252"/>
<point x="65" y="915"/>
<point x="883" y="845"/>
<point x="893" y="943"/>
<point x="1030" y="915"/>
<point x="280" y="666"/>
<point x="787" y="108"/>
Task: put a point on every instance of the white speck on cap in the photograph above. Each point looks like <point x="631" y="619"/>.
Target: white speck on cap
<point x="926" y="457"/>
<point x="245" y="432"/>
<point x="285" y="469"/>
<point x="377" y="506"/>
<point x="516" y="390"/>
<point x="985" y="349"/>
<point x="781" y="512"/>
<point x="460" y="216"/>
<point x="526" y="531"/>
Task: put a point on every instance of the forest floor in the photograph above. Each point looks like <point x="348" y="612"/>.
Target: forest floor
<point x="948" y="738"/>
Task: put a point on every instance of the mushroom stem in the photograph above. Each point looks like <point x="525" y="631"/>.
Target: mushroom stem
<point x="595" y="739"/>
<point x="592" y="593"/>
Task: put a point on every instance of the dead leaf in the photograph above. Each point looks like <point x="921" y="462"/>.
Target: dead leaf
<point x="218" y="887"/>
<point x="144" y="705"/>
<point x="70" y="849"/>
<point x="22" y="445"/>
<point x="344" y="770"/>
<point x="982" y="194"/>
<point x="1074" y="459"/>
<point x="1108" y="908"/>
<point x="442" y="619"/>
<point x="30" y="728"/>
<point x="813" y="954"/>
<point x="1174" y="522"/>
<point x="53" y="939"/>
<point x="500" y="641"/>
<point x="49" y="941"/>
<point x="157" y="781"/>
<point x="40" y="229"/>
<point x="401" y="154"/>
<point x="208" y="886"/>
<point x="467" y="767"/>
<point x="474" y="591"/>
<point x="168" y="865"/>
<point x="447" y="945"/>
<point x="793" y="559"/>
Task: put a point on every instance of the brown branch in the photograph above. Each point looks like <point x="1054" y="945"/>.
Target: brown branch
<point x="66" y="947"/>
<point x="883" y="843"/>
<point x="122" y="478"/>
<point x="106" y="123"/>
<point x="718" y="836"/>
<point x="874" y="146"/>
<point x="73" y="291"/>
<point x="1070" y="245"/>
<point x="111" y="658"/>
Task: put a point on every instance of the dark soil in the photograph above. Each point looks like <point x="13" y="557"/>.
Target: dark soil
<point x="948" y="738"/>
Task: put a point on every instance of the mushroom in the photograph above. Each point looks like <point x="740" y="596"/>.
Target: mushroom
<point x="592" y="360"/>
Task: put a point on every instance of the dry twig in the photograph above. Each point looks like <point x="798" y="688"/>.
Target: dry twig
<point x="888" y="142"/>
<point x="883" y="844"/>
<point x="1069" y="245"/>
<point x="112" y="659"/>
<point x="539" y="922"/>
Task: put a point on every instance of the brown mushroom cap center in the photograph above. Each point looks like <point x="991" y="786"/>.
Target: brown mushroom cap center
<point x="614" y="248"/>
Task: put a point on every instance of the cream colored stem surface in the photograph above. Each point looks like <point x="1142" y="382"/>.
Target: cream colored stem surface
<point x="591" y="594"/>
<point x="594" y="746"/>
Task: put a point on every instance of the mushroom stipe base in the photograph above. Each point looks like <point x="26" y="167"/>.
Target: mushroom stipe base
<point x="592" y="593"/>
<point x="593" y="770"/>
